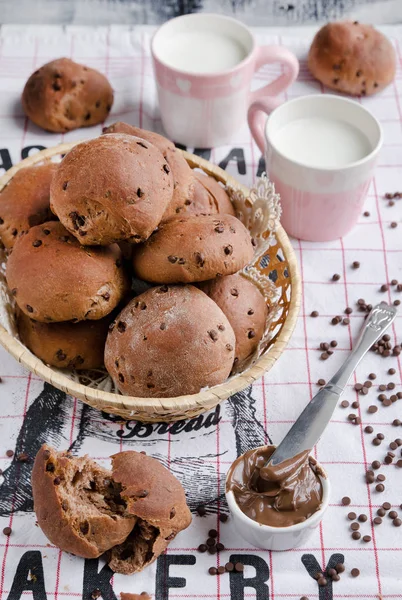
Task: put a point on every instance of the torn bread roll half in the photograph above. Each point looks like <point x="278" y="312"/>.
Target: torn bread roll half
<point x="88" y="510"/>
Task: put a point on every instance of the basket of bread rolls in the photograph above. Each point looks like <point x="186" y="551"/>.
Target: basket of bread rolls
<point x="141" y="279"/>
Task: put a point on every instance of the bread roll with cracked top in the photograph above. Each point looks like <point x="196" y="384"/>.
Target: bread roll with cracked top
<point x="139" y="353"/>
<point x="246" y="310"/>
<point x="53" y="278"/>
<point x="63" y="95"/>
<point x="112" y="188"/>
<point x="65" y="345"/>
<point x="352" y="58"/>
<point x="25" y="202"/>
<point x="194" y="248"/>
<point x="222" y="202"/>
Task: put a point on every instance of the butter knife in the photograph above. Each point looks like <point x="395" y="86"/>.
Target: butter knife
<point x="308" y="428"/>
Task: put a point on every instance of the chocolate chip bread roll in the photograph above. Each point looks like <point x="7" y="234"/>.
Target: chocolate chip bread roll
<point x="157" y="499"/>
<point x="77" y="504"/>
<point x="65" y="345"/>
<point x="112" y="188"/>
<point x="169" y="341"/>
<point x="352" y="58"/>
<point x="132" y="512"/>
<point x="25" y="202"/>
<point x="63" y="95"/>
<point x="246" y="310"/>
<point x="53" y="278"/>
<point x="221" y="200"/>
<point x="194" y="248"/>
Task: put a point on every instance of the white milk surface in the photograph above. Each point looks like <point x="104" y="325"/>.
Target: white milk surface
<point x="321" y="142"/>
<point x="203" y="52"/>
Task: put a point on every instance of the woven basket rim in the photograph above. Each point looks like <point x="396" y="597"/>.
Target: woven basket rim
<point x="112" y="402"/>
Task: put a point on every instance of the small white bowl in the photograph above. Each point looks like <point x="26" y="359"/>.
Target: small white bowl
<point x="279" y="538"/>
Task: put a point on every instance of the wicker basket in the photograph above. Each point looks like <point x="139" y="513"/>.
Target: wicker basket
<point x="279" y="259"/>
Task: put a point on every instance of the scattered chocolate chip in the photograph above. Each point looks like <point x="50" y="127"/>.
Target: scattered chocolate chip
<point x="221" y="570"/>
<point x="355" y="572"/>
<point x="212" y="570"/>
<point x="9" y="453"/>
<point x="392" y="514"/>
<point x="202" y="548"/>
<point x="386" y="505"/>
<point x="377" y="520"/>
<point x="223" y="518"/>
<point x="7" y="531"/>
<point x="397" y="522"/>
<point x="239" y="567"/>
<point x="372" y="376"/>
<point x="355" y="404"/>
<point x="376" y="441"/>
<point x="315" y="313"/>
<point x="394" y="224"/>
<point x="348" y="310"/>
<point x="346" y="501"/>
<point x="220" y="547"/>
<point x="356" y="535"/>
<point x="340" y="567"/>
<point x="367" y="538"/>
<point x="351" y="516"/>
<point x="229" y="567"/>
<point x="372" y="409"/>
<point x="381" y="477"/>
<point x="366" y="213"/>
<point x="355" y="526"/>
<point x="368" y="429"/>
<point x="355" y="264"/>
<point x="322" y="382"/>
<point x="211" y="541"/>
<point x="336" y="277"/>
<point x="322" y="581"/>
<point x="380" y="487"/>
<point x="376" y="464"/>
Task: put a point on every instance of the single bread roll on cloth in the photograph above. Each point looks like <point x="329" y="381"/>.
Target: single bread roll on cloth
<point x="352" y="58"/>
<point x="113" y="188"/>
<point x="169" y="341"/>
<point x="63" y="95"/>
<point x="194" y="248"/>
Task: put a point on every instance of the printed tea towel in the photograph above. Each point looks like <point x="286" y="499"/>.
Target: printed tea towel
<point x="199" y="451"/>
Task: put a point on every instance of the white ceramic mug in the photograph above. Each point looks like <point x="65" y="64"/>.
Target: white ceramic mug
<point x="319" y="203"/>
<point x="204" y="64"/>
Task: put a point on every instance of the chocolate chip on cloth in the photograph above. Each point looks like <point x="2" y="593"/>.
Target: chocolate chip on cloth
<point x="157" y="499"/>
<point x="139" y="352"/>
<point x="53" y="278"/>
<point x="112" y="188"/>
<point x="352" y="58"/>
<point x="133" y="511"/>
<point x="65" y="345"/>
<point x="245" y="307"/>
<point x="63" y="95"/>
<point x="25" y="202"/>
<point x="194" y="248"/>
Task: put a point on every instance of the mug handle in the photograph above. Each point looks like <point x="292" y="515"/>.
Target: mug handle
<point x="260" y="104"/>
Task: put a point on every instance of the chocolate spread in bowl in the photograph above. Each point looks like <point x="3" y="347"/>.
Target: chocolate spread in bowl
<point x="278" y="496"/>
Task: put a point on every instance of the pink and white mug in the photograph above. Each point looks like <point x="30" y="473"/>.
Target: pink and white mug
<point x="320" y="152"/>
<point x="204" y="65"/>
